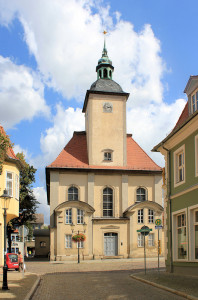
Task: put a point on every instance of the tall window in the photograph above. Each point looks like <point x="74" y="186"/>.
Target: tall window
<point x="141" y="215"/>
<point x="150" y="216"/>
<point x="16" y="186"/>
<point x="194" y="102"/>
<point x="151" y="241"/>
<point x="181" y="237"/>
<point x="179" y="165"/>
<point x="80" y="216"/>
<point x="68" y="241"/>
<point x="80" y="244"/>
<point x="140" y="240"/>
<point x="9" y="183"/>
<point x="108" y="202"/>
<point x="196" y="234"/>
<point x="68" y="216"/>
<point x="140" y="195"/>
<point x="72" y="193"/>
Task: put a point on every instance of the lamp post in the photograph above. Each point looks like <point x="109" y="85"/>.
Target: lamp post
<point x="5" y="204"/>
<point x="78" y="242"/>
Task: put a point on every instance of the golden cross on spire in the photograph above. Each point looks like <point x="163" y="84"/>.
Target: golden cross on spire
<point x="104" y="32"/>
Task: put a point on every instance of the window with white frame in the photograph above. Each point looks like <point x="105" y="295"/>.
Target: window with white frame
<point x="179" y="166"/>
<point x="141" y="215"/>
<point x="140" y="240"/>
<point x="16" y="186"/>
<point x="181" y="237"/>
<point x="107" y="202"/>
<point x="108" y="156"/>
<point x="9" y="183"/>
<point x="140" y="194"/>
<point x="151" y="240"/>
<point x="80" y="244"/>
<point x="68" y="241"/>
<point x="68" y="216"/>
<point x="150" y="216"/>
<point x="80" y="216"/>
<point x="196" y="155"/>
<point x="73" y="193"/>
<point x="196" y="234"/>
<point x="194" y="102"/>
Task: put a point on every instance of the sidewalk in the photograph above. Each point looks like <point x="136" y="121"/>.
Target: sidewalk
<point x="186" y="286"/>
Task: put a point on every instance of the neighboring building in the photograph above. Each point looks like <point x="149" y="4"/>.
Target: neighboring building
<point x="42" y="242"/>
<point x="103" y="183"/>
<point x="37" y="223"/>
<point x="9" y="180"/>
<point x="16" y="245"/>
<point x="180" y="149"/>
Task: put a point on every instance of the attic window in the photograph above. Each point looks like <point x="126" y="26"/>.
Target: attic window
<point x="194" y="102"/>
<point x="108" y="156"/>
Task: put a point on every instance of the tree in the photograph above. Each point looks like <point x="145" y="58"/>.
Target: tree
<point x="4" y="145"/>
<point x="27" y="200"/>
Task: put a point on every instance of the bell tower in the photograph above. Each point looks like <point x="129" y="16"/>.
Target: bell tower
<point x="105" y="117"/>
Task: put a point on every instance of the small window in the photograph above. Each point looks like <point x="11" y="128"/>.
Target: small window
<point x="16" y="186"/>
<point x="80" y="216"/>
<point x="141" y="215"/>
<point x="68" y="241"/>
<point x="140" y="240"/>
<point x="99" y="73"/>
<point x="194" y="102"/>
<point x="9" y="183"/>
<point x="151" y="240"/>
<point x="72" y="193"/>
<point x="105" y="73"/>
<point x="108" y="156"/>
<point x="140" y="195"/>
<point x="196" y="155"/>
<point x="150" y="216"/>
<point x="68" y="216"/>
<point x="179" y="166"/>
<point x="42" y="244"/>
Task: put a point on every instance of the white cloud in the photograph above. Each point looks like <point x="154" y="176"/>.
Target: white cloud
<point x="43" y="208"/>
<point x="21" y="94"/>
<point x="65" y="122"/>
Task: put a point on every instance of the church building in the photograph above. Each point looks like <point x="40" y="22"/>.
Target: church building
<point x="103" y="184"/>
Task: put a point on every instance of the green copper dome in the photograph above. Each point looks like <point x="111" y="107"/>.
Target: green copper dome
<point x="104" y="68"/>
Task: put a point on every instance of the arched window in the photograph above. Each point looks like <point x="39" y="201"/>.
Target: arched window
<point x="99" y="73"/>
<point x="72" y="193"/>
<point x="105" y="73"/>
<point x="110" y="73"/>
<point x="107" y="202"/>
<point x="140" y="195"/>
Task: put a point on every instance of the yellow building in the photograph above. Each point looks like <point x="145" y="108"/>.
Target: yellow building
<point x="103" y="184"/>
<point x="9" y="180"/>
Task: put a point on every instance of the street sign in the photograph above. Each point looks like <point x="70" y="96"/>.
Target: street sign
<point x="25" y="232"/>
<point x="144" y="230"/>
<point x="158" y="222"/>
<point x="159" y="227"/>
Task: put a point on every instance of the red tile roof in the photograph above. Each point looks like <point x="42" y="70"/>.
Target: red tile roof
<point x="74" y="155"/>
<point x="183" y="117"/>
<point x="10" y="151"/>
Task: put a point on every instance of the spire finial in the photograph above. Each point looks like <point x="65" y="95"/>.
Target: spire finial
<point x="104" y="49"/>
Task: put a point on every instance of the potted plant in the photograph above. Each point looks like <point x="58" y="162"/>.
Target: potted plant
<point x="78" y="237"/>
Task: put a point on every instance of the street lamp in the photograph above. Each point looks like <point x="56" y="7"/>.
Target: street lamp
<point x="5" y="204"/>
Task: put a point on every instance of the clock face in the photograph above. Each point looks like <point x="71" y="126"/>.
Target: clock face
<point x="107" y="107"/>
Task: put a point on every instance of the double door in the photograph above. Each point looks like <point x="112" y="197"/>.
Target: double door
<point x="110" y="244"/>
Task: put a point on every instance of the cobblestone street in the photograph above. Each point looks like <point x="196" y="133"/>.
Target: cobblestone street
<point x="97" y="286"/>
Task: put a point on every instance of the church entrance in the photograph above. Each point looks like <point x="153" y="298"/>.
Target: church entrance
<point x="110" y="244"/>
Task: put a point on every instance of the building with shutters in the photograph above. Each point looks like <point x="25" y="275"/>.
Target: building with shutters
<point x="102" y="183"/>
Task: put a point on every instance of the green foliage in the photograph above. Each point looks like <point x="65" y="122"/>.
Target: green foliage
<point x="4" y="145"/>
<point x="78" y="237"/>
<point x="27" y="200"/>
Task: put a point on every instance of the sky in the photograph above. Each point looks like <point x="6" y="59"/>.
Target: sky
<point x="49" y="50"/>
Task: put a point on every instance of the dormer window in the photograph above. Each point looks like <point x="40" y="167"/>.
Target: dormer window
<point x="194" y="102"/>
<point x="108" y="156"/>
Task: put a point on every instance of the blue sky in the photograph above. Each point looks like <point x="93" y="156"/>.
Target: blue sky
<point x="48" y="53"/>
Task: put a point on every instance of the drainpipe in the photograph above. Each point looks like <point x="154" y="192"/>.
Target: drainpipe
<point x="170" y="208"/>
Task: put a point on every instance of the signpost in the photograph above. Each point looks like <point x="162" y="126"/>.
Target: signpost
<point x="158" y="226"/>
<point x="144" y="231"/>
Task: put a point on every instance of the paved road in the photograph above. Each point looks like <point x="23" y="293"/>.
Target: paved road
<point x="114" y="285"/>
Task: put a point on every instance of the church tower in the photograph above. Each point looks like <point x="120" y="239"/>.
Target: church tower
<point x="105" y="117"/>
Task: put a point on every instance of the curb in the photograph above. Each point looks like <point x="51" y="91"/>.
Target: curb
<point x="165" y="288"/>
<point x="33" y="289"/>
